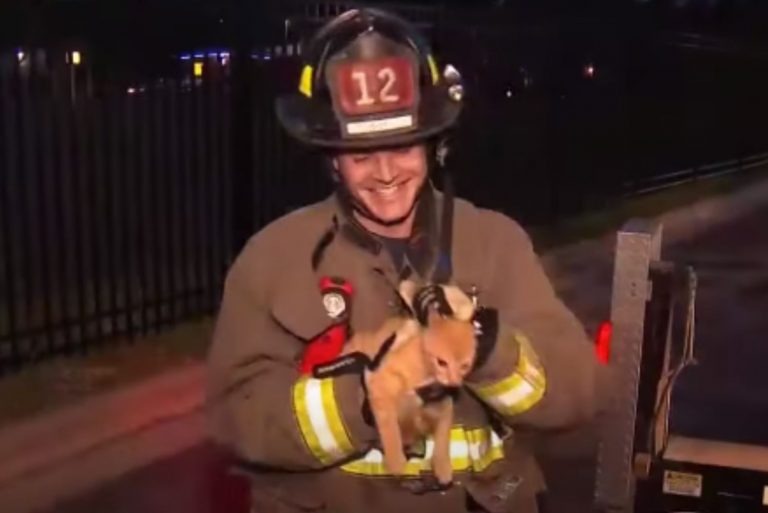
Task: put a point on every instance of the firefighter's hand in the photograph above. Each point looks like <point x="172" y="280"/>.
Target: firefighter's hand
<point x="446" y="300"/>
<point x="428" y="298"/>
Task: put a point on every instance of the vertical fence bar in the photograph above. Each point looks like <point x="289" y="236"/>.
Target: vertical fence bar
<point x="88" y="219"/>
<point x="107" y="114"/>
<point x="219" y="204"/>
<point x="47" y="214"/>
<point x="27" y="266"/>
<point x="58" y="250"/>
<point x="153" y="222"/>
<point x="211" y="191"/>
<point x="95" y="193"/>
<point x="186" y="211"/>
<point x="265" y="178"/>
<point x="259" y="207"/>
<point x="142" y="206"/>
<point x="242" y="103"/>
<point x="120" y="270"/>
<point x="162" y="220"/>
<point x="63" y="205"/>
<point x="227" y="207"/>
<point x="4" y="237"/>
<point x="9" y="352"/>
<point x="277" y="166"/>
<point x="129" y="192"/>
<point x="198" y="197"/>
<point x="175" y="253"/>
<point x="82" y="225"/>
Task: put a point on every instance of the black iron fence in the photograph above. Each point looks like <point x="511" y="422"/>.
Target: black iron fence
<point x="116" y="201"/>
<point x="123" y="200"/>
<point x="113" y="213"/>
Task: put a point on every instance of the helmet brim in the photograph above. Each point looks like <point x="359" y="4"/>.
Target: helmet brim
<point x="315" y="124"/>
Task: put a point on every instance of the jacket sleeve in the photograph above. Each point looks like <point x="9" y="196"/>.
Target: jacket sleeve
<point x="260" y="406"/>
<point x="542" y="371"/>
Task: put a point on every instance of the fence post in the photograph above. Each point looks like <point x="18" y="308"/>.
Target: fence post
<point x="242" y="130"/>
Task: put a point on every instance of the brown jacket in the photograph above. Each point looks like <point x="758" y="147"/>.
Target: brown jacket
<point x="268" y="416"/>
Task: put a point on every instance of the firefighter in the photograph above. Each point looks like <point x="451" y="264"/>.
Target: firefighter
<point x="374" y="97"/>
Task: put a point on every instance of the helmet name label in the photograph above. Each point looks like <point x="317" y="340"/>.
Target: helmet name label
<point x="379" y="125"/>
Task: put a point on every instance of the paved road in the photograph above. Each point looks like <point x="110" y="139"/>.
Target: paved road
<point x="719" y="397"/>
<point x="724" y="396"/>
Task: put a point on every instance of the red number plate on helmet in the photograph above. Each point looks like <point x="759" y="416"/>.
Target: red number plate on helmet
<point x="376" y="86"/>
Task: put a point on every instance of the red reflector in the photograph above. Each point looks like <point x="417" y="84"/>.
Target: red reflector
<point x="603" y="342"/>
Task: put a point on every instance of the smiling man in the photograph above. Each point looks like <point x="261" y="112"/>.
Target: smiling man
<point x="383" y="186"/>
<point x="373" y="96"/>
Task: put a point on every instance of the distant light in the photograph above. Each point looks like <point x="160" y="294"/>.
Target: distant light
<point x="221" y="20"/>
<point x="20" y="55"/>
<point x="131" y="90"/>
<point x="224" y="61"/>
<point x="224" y="55"/>
<point x="199" y="55"/>
<point x="198" y="69"/>
<point x="76" y="58"/>
<point x="254" y="56"/>
<point x="185" y="57"/>
<point x="213" y="54"/>
<point x="509" y="94"/>
<point x="589" y="71"/>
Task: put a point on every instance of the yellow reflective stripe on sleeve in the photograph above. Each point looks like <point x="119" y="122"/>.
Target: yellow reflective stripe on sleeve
<point x="471" y="450"/>
<point x="334" y="418"/>
<point x="305" y="84"/>
<point x="523" y="389"/>
<point x="320" y="420"/>
<point x="484" y="449"/>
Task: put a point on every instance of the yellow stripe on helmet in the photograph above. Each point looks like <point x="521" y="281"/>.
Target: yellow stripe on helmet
<point x="305" y="84"/>
<point x="433" y="69"/>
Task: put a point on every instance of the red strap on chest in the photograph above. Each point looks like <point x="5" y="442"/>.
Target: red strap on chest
<point x="328" y="345"/>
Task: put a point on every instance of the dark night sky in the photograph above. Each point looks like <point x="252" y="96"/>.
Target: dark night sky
<point x="180" y="22"/>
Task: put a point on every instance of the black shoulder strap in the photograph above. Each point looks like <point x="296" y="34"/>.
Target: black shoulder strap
<point x="383" y="350"/>
<point x="323" y="243"/>
<point x="443" y="266"/>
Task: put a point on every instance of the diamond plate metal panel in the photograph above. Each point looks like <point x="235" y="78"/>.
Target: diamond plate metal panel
<point x="638" y="245"/>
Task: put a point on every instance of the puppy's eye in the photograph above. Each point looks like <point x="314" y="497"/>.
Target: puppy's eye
<point x="442" y="363"/>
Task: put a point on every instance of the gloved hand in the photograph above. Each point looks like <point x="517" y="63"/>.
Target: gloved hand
<point x="486" y="320"/>
<point x="430" y="297"/>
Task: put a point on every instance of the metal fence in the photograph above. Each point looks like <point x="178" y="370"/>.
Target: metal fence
<point x="116" y="205"/>
<point x="122" y="206"/>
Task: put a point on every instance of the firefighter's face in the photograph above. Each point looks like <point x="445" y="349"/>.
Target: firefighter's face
<point x="386" y="182"/>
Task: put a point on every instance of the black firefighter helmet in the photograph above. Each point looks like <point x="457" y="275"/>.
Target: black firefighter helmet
<point x="369" y="80"/>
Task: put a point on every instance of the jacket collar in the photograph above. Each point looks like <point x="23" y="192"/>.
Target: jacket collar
<point x="422" y="243"/>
